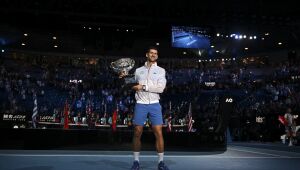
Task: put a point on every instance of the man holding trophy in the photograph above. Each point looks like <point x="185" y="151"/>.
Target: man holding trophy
<point x="150" y="82"/>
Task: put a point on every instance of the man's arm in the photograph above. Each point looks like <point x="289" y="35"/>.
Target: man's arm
<point x="159" y="85"/>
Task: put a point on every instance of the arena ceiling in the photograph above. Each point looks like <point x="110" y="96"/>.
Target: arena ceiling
<point x="154" y="17"/>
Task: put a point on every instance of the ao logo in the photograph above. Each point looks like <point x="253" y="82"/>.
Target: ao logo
<point x="228" y="100"/>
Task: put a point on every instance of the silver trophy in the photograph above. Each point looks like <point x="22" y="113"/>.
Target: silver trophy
<point x="124" y="65"/>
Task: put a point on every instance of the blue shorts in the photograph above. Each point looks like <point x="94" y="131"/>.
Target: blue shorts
<point x="141" y="112"/>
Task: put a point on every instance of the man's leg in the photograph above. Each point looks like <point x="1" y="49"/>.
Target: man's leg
<point x="138" y="130"/>
<point x="136" y="142"/>
<point x="159" y="142"/>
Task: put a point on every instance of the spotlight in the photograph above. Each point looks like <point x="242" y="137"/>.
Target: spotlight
<point x="236" y="37"/>
<point x="23" y="44"/>
<point x="240" y="37"/>
<point x="25" y="34"/>
<point x="245" y="36"/>
<point x="250" y="37"/>
<point x="212" y="46"/>
<point x="218" y="34"/>
<point x="280" y="43"/>
<point x="2" y="51"/>
<point x="54" y="38"/>
<point x="254" y="37"/>
<point x="246" y="48"/>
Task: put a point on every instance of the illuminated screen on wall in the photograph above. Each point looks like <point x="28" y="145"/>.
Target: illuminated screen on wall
<point x="190" y="37"/>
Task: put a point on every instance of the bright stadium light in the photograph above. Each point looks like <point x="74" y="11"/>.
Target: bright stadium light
<point x="236" y="37"/>
<point x="218" y="34"/>
<point x="240" y="37"/>
<point x="280" y="43"/>
<point x="25" y="34"/>
<point x="212" y="46"/>
<point x="254" y="37"/>
<point x="245" y="36"/>
<point x="250" y="38"/>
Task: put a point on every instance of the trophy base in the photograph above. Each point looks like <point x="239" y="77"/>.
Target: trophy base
<point x="129" y="86"/>
<point x="129" y="82"/>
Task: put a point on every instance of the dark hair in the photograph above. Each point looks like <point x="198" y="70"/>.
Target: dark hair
<point x="151" y="48"/>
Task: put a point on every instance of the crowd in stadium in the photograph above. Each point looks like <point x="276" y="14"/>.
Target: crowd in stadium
<point x="93" y="91"/>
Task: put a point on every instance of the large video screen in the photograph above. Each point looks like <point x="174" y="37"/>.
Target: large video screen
<point x="190" y="37"/>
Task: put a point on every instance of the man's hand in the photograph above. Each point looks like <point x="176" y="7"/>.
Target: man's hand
<point x="137" y="87"/>
<point x="122" y="74"/>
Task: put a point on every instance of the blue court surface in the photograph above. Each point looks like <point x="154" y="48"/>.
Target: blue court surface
<point x="239" y="156"/>
<point x="191" y="41"/>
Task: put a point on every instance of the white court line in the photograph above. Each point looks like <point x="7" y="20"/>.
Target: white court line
<point x="148" y="156"/>
<point x="191" y="42"/>
<point x="290" y="152"/>
<point x="261" y="153"/>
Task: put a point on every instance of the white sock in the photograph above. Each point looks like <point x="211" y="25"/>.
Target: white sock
<point x="160" y="157"/>
<point x="136" y="156"/>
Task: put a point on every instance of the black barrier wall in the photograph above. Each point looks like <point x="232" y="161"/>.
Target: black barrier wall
<point x="107" y="140"/>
